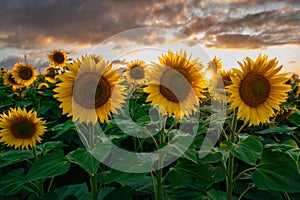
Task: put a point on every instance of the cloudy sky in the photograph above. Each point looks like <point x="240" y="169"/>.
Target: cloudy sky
<point x="229" y="29"/>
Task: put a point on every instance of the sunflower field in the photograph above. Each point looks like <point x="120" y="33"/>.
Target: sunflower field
<point x="83" y="129"/>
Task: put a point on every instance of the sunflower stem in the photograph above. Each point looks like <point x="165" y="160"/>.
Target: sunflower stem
<point x="245" y="191"/>
<point x="162" y="139"/>
<point x="41" y="186"/>
<point x="94" y="189"/>
<point x="242" y="173"/>
<point x="229" y="178"/>
<point x="50" y="184"/>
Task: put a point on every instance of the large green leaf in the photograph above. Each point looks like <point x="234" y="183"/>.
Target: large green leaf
<point x="123" y="178"/>
<point x="79" y="192"/>
<point x="119" y="193"/>
<point x="12" y="182"/>
<point x="284" y="129"/>
<point x="84" y="159"/>
<point x="277" y="171"/>
<point x="247" y="150"/>
<point x="48" y="166"/>
<point x="62" y="128"/>
<point x="50" y="146"/>
<point x="14" y="156"/>
<point x="187" y="173"/>
<point x="218" y="195"/>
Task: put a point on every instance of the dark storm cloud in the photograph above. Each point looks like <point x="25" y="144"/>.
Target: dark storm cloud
<point x="33" y="24"/>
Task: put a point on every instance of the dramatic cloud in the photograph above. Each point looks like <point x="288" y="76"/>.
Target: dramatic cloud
<point x="33" y="24"/>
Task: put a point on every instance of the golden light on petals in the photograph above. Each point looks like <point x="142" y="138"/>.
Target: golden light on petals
<point x="90" y="90"/>
<point x="21" y="129"/>
<point x="175" y="85"/>
<point x="257" y="89"/>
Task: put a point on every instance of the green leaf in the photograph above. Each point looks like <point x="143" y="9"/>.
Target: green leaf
<point x="14" y="156"/>
<point x="217" y="194"/>
<point x="187" y="173"/>
<point x="80" y="191"/>
<point x="49" y="146"/>
<point x="247" y="150"/>
<point x="119" y="193"/>
<point x="284" y="129"/>
<point x="181" y="145"/>
<point x="122" y="177"/>
<point x="277" y="171"/>
<point x="103" y="192"/>
<point x="12" y="182"/>
<point x="295" y="117"/>
<point x="48" y="166"/>
<point x="84" y="159"/>
<point x="62" y="128"/>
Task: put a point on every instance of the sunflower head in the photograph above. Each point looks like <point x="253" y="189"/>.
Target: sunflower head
<point x="2" y="72"/>
<point x="42" y="86"/>
<point x="215" y="63"/>
<point x="257" y="89"/>
<point x="9" y="80"/>
<point x="50" y="74"/>
<point x="58" y="57"/>
<point x="24" y="73"/>
<point x="20" y="128"/>
<point x="283" y="114"/>
<point x="175" y="84"/>
<point x="136" y="71"/>
<point x="298" y="90"/>
<point x="90" y="90"/>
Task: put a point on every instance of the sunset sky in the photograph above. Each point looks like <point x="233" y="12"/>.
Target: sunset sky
<point x="229" y="29"/>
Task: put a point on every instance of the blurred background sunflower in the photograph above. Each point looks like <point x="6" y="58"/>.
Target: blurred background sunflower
<point x="58" y="57"/>
<point x="42" y="86"/>
<point x="175" y="85"/>
<point x="90" y="90"/>
<point x="9" y="80"/>
<point x="257" y="89"/>
<point x="21" y="129"/>
<point x="24" y="73"/>
<point x="50" y="74"/>
<point x="136" y="71"/>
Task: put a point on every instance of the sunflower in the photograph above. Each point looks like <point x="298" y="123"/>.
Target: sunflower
<point x="10" y="81"/>
<point x="58" y="57"/>
<point x="215" y="63"/>
<point x="24" y="73"/>
<point x="175" y="85"/>
<point x="283" y="114"/>
<point x="20" y="128"/>
<point x="298" y="90"/>
<point x="136" y="71"/>
<point x="2" y="72"/>
<point x="50" y="74"/>
<point x="90" y="90"/>
<point x="257" y="89"/>
<point x="42" y="86"/>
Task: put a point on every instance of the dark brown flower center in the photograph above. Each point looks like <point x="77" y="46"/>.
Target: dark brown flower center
<point x="91" y="92"/>
<point x="175" y="85"/>
<point x="23" y="129"/>
<point x="137" y="72"/>
<point x="25" y="73"/>
<point x="254" y="89"/>
<point x="59" y="57"/>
